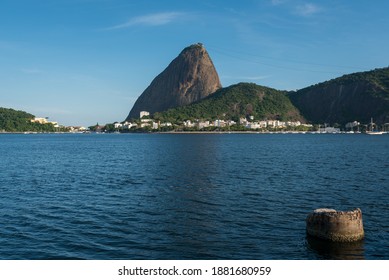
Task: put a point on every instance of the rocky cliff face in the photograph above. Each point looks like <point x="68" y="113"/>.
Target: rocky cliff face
<point x="189" y="77"/>
<point x="357" y="96"/>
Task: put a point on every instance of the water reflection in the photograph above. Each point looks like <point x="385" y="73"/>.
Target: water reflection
<point x="336" y="250"/>
<point x="183" y="191"/>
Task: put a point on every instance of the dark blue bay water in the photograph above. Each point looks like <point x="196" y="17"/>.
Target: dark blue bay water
<point x="217" y="196"/>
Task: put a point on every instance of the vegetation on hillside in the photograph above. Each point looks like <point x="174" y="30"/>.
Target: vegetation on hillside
<point x="353" y="97"/>
<point x="231" y="103"/>
<point x="19" y="121"/>
<point x="378" y="77"/>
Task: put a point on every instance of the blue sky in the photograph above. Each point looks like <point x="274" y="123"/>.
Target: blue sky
<point x="80" y="62"/>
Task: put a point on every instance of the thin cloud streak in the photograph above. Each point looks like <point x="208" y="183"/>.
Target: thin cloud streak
<point x="149" y="20"/>
<point x="303" y="9"/>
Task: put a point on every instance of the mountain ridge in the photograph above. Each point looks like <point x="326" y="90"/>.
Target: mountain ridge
<point x="235" y="101"/>
<point x="356" y="96"/>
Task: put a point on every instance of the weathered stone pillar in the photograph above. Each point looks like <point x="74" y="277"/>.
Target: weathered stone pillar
<point x="337" y="226"/>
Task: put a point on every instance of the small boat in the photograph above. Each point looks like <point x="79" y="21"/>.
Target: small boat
<point x="373" y="132"/>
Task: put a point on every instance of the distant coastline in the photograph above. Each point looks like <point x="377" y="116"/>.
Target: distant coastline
<point x="185" y="132"/>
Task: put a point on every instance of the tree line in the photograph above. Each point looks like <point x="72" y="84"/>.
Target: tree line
<point x="19" y="121"/>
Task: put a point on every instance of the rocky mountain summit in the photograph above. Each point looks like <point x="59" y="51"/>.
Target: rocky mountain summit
<point x="190" y="77"/>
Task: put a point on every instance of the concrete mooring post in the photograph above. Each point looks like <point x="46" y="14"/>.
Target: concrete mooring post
<point x="337" y="226"/>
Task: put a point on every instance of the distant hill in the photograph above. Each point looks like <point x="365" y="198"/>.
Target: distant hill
<point x="243" y="99"/>
<point x="19" y="121"/>
<point x="190" y="77"/>
<point x="357" y="96"/>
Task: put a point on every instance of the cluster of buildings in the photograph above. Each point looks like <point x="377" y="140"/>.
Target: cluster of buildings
<point x="74" y="129"/>
<point x="249" y="123"/>
<point x="44" y="121"/>
<point x="145" y="121"/>
<point x="244" y="122"/>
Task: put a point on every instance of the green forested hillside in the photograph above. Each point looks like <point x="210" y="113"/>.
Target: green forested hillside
<point x="379" y="78"/>
<point x="19" y="121"/>
<point x="243" y="99"/>
<point x="353" y="97"/>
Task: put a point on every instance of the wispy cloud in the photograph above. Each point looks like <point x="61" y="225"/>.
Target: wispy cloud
<point x="304" y="9"/>
<point x="150" y="20"/>
<point x="308" y="9"/>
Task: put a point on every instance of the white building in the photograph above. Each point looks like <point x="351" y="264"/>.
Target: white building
<point x="39" y="120"/>
<point x="219" y="123"/>
<point x="117" y="125"/>
<point x="155" y="125"/>
<point x="128" y="125"/>
<point x="230" y="123"/>
<point x="243" y="121"/>
<point x="281" y="124"/>
<point x="253" y="125"/>
<point x="145" y="124"/>
<point x="351" y="125"/>
<point x="276" y="123"/>
<point x="202" y="124"/>
<point x="77" y="129"/>
<point x="272" y="123"/>
<point x="188" y="123"/>
<point x="143" y="113"/>
<point x="294" y="123"/>
<point x="44" y="121"/>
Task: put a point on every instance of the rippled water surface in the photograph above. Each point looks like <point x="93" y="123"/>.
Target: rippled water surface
<point x="164" y="196"/>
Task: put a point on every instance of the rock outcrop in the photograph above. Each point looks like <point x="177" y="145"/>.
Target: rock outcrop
<point x="337" y="226"/>
<point x="190" y="77"/>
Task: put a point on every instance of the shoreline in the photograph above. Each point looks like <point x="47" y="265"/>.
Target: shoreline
<point x="231" y="132"/>
<point x="191" y="132"/>
<point x="258" y="132"/>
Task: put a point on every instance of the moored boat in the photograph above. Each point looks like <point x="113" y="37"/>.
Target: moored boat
<point x="372" y="131"/>
<point x="375" y="132"/>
